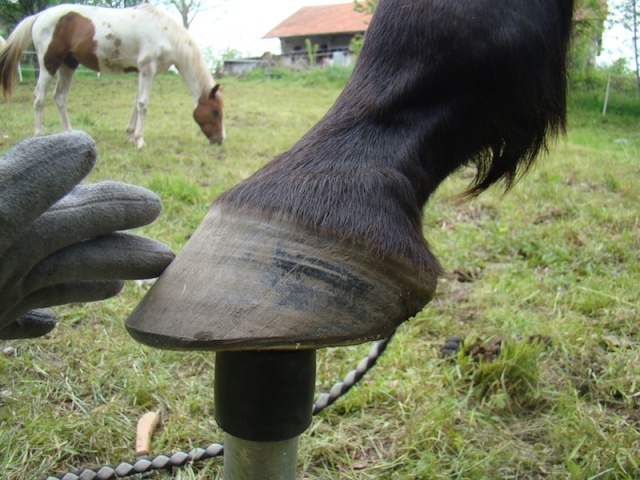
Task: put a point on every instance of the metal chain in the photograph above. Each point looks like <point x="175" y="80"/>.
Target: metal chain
<point x="178" y="459"/>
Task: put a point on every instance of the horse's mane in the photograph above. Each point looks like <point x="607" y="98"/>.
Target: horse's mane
<point x="190" y="58"/>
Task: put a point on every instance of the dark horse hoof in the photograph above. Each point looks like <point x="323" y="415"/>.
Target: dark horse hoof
<point x="242" y="283"/>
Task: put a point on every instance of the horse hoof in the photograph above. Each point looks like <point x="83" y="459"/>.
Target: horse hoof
<point x="243" y="283"/>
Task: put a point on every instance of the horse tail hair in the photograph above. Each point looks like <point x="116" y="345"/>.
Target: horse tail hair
<point x="11" y="52"/>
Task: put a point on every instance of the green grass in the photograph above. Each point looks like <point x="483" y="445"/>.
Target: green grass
<point x="556" y="257"/>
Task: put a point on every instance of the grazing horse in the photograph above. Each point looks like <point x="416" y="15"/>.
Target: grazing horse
<point x="141" y="39"/>
<point x="324" y="245"/>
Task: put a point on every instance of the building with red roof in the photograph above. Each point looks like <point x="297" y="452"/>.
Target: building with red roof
<point x="329" y="30"/>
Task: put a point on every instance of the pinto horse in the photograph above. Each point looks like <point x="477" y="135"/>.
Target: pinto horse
<point x="324" y="245"/>
<point x="141" y="39"/>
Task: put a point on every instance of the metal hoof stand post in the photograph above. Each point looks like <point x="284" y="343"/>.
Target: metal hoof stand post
<point x="264" y="296"/>
<point x="263" y="402"/>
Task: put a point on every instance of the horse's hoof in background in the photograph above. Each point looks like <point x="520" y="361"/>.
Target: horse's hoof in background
<point x="138" y="142"/>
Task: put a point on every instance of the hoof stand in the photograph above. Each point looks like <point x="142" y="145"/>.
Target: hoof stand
<point x="241" y="283"/>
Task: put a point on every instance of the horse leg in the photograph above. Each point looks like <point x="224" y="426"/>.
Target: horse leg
<point x="145" y="78"/>
<point x="65" y="75"/>
<point x="44" y="80"/>
<point x="131" y="126"/>
<point x="324" y="245"/>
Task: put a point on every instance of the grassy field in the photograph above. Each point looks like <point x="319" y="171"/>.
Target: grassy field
<point x="552" y="268"/>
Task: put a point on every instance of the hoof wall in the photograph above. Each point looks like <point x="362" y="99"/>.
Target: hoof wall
<point x="241" y="283"/>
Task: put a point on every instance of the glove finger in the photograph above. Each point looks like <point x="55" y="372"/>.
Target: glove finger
<point x="36" y="173"/>
<point x="118" y="256"/>
<point x="74" y="292"/>
<point x="87" y="211"/>
<point x="32" y="324"/>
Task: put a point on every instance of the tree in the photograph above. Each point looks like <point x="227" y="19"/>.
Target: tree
<point x="625" y="13"/>
<point x="367" y="6"/>
<point x="13" y="11"/>
<point x="588" y="26"/>
<point x="188" y="9"/>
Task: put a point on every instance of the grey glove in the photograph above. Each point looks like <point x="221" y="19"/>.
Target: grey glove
<point x="61" y="242"/>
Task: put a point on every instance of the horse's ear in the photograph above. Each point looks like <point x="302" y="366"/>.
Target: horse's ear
<point x="214" y="90"/>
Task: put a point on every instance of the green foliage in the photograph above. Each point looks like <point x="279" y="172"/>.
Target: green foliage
<point x="619" y="67"/>
<point x="355" y="44"/>
<point x="216" y="60"/>
<point x="331" y="76"/>
<point x="312" y="51"/>
<point x="326" y="77"/>
<point x="274" y="73"/>
<point x="12" y="12"/>
<point x="367" y="6"/>
<point x="625" y="13"/>
<point x="231" y="54"/>
<point x="588" y="28"/>
<point x="588" y="92"/>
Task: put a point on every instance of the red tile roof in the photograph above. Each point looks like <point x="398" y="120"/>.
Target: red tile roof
<point x="322" y="19"/>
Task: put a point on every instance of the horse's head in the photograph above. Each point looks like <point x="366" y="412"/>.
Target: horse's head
<point x="208" y="114"/>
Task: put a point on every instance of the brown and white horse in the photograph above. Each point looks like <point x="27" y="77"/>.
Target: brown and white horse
<point x="141" y="39"/>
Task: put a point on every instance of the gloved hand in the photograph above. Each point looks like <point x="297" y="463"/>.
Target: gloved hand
<point x="60" y="242"/>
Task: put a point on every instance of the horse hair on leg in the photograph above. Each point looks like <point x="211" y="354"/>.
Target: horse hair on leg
<point x="324" y="244"/>
<point x="65" y="77"/>
<point x="39" y="95"/>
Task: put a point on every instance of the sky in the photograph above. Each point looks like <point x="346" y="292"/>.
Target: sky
<point x="615" y="44"/>
<point x="240" y="24"/>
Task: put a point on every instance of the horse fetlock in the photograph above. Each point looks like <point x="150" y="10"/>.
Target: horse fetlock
<point x="38" y="128"/>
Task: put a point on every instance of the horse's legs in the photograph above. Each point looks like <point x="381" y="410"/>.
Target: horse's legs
<point x="65" y="75"/>
<point x="44" y="80"/>
<point x="145" y="78"/>
<point x="131" y="126"/>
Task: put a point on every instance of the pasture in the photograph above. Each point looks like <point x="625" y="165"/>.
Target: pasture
<point x="552" y="268"/>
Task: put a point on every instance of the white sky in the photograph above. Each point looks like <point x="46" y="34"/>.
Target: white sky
<point x="615" y="44"/>
<point x="616" y="41"/>
<point x="240" y="24"/>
